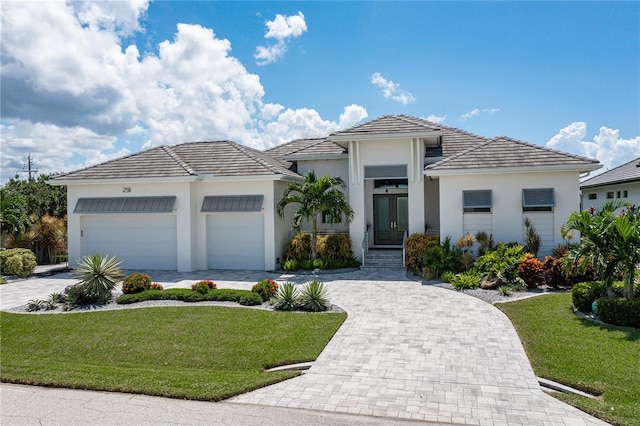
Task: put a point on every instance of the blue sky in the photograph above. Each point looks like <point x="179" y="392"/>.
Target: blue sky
<point x="86" y="82"/>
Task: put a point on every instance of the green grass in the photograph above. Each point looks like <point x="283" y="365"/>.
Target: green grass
<point x="601" y="359"/>
<point x="204" y="353"/>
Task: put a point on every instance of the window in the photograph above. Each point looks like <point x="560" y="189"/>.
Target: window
<point x="538" y="200"/>
<point x="618" y="194"/>
<point x="326" y="218"/>
<point x="477" y="201"/>
<point x="390" y="183"/>
<point x="625" y="194"/>
<point x="609" y="195"/>
<point x="593" y="196"/>
<point x="386" y="172"/>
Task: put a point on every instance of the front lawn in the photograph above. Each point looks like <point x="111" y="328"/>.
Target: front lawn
<point x="205" y="353"/>
<point x="601" y="359"/>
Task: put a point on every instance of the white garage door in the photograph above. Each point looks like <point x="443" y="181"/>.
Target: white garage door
<point x="235" y="241"/>
<point x="141" y="241"/>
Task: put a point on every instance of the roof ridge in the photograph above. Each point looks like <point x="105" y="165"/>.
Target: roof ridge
<point x="454" y="129"/>
<point x="612" y="170"/>
<point x="308" y="146"/>
<point x="262" y="161"/>
<point x="465" y="152"/>
<point x="107" y="162"/>
<point x="171" y="153"/>
<point x="544" y="148"/>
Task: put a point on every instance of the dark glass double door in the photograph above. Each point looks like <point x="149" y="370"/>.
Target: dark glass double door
<point x="391" y="218"/>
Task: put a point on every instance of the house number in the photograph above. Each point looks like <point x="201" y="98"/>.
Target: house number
<point x="126" y="189"/>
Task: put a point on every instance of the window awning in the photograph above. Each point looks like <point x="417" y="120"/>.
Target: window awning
<point x="481" y="198"/>
<point x="538" y="197"/>
<point x="125" y="205"/>
<point x="232" y="203"/>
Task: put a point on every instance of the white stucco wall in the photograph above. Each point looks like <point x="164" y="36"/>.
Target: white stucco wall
<point x="632" y="188"/>
<point x="506" y="213"/>
<point x="432" y="205"/>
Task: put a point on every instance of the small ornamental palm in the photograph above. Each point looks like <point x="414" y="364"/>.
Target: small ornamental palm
<point x="98" y="275"/>
<point x="286" y="298"/>
<point x="313" y="297"/>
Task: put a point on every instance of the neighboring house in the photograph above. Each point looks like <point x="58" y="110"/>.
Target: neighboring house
<point x="622" y="182"/>
<point x="212" y="205"/>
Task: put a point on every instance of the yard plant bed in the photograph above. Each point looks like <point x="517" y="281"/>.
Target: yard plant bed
<point x="204" y="353"/>
<point x="597" y="358"/>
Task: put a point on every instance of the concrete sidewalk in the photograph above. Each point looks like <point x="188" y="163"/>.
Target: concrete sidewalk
<point x="406" y="351"/>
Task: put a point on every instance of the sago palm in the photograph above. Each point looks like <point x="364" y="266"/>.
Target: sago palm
<point x="315" y="196"/>
<point x="98" y="275"/>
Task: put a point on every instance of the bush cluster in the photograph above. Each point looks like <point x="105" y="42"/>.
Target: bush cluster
<point x="333" y="252"/>
<point x="620" y="311"/>
<point x="17" y="261"/>
<point x="531" y="270"/>
<point x="584" y="294"/>
<point x="136" y="283"/>
<point x="203" y="286"/>
<point x="465" y="281"/>
<point x="265" y="288"/>
<point x="242" y="297"/>
<point x="417" y="245"/>
<point x="311" y="298"/>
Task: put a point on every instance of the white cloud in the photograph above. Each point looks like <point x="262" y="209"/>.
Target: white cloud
<point x="477" y="111"/>
<point x="73" y="93"/>
<point x="281" y="29"/>
<point x="607" y="146"/>
<point x="307" y="123"/>
<point x="391" y="90"/>
<point x="436" y="118"/>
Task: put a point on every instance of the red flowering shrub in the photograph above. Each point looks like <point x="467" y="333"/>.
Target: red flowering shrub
<point x="156" y="286"/>
<point x="204" y="286"/>
<point x="265" y="288"/>
<point x="531" y="270"/>
<point x="136" y="283"/>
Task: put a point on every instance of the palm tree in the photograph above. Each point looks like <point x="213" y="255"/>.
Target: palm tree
<point x="609" y="241"/>
<point x="315" y="196"/>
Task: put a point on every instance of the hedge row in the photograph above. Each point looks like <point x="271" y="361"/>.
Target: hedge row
<point x="243" y="297"/>
<point x="618" y="311"/>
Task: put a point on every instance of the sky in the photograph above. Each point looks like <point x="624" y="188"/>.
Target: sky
<point x="86" y="82"/>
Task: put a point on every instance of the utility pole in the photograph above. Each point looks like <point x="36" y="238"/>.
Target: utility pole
<point x="29" y="168"/>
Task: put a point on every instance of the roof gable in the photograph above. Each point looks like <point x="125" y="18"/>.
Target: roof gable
<point x="389" y="124"/>
<point x="627" y="172"/>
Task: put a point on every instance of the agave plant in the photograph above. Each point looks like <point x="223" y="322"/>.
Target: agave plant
<point x="313" y="297"/>
<point x="286" y="298"/>
<point x="98" y="275"/>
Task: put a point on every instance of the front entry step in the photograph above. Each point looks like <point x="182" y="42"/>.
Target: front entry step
<point x="383" y="259"/>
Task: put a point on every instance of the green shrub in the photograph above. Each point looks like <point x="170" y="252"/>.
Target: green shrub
<point x="334" y="246"/>
<point x="200" y="287"/>
<point x="441" y="258"/>
<point x="75" y="295"/>
<point x="156" y="286"/>
<point x="505" y="290"/>
<point x="35" y="305"/>
<point x="307" y="265"/>
<point x="465" y="281"/>
<point x="299" y="248"/>
<point x="265" y="288"/>
<point x="313" y="297"/>
<point x="501" y="263"/>
<point x="290" y="265"/>
<point x="136" y="283"/>
<point x="620" y="311"/>
<point x="584" y="294"/>
<point x="486" y="242"/>
<point x="17" y="261"/>
<point x="417" y="244"/>
<point x="447" y="276"/>
<point x="287" y="298"/>
<point x="243" y="297"/>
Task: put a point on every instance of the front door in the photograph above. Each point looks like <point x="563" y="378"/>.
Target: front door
<point x="390" y="217"/>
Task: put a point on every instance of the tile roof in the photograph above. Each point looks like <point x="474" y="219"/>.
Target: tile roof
<point x="504" y="152"/>
<point x="305" y="147"/>
<point x="628" y="172"/>
<point x="220" y="158"/>
<point x="390" y="124"/>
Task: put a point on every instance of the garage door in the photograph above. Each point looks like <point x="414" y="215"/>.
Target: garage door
<point x="141" y="241"/>
<point x="235" y="241"/>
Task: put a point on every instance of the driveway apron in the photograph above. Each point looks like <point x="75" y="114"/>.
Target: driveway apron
<point x="424" y="353"/>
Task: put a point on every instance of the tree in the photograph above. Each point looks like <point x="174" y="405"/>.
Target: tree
<point x="14" y="217"/>
<point x="609" y="241"/>
<point x="40" y="197"/>
<point x="316" y="196"/>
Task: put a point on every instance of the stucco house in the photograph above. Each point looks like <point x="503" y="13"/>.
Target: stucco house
<point x="212" y="205"/>
<point x="622" y="182"/>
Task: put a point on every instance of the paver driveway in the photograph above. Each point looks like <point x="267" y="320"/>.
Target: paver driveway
<point x="405" y="351"/>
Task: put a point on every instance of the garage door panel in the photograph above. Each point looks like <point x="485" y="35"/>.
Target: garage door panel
<point x="235" y="241"/>
<point x="141" y="241"/>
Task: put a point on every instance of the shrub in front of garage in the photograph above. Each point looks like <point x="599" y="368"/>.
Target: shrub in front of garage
<point x="242" y="297"/>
